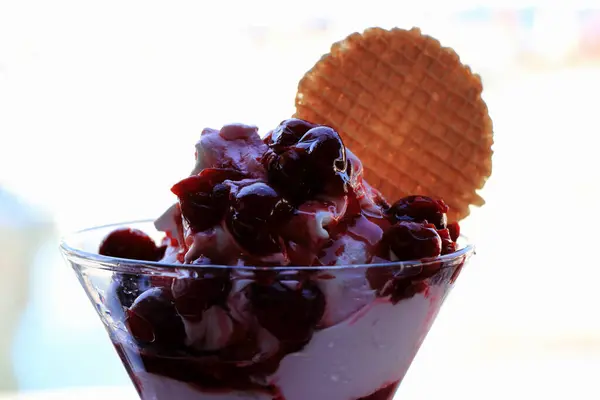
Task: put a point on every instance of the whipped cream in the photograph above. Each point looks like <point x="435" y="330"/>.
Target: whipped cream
<point x="370" y="349"/>
<point x="235" y="146"/>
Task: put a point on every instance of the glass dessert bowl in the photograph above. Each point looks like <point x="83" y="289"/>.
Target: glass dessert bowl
<point x="203" y="331"/>
<point x="280" y="272"/>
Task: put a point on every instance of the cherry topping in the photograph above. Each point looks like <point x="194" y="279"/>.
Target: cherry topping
<point x="413" y="240"/>
<point x="255" y="217"/>
<point x="131" y="244"/>
<point x="404" y="288"/>
<point x="268" y="138"/>
<point x="289" y="132"/>
<point x="152" y="319"/>
<point x="325" y="147"/>
<point x="454" y="230"/>
<point x="204" y="197"/>
<point x="389" y="281"/>
<point x="419" y="209"/>
<point x="128" y="287"/>
<point x="315" y="164"/>
<point x="289" y="313"/>
<point x="122" y="292"/>
<point x="448" y="245"/>
<point x="193" y="296"/>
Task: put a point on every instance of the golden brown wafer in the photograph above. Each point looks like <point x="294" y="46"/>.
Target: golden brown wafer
<point x="409" y="109"/>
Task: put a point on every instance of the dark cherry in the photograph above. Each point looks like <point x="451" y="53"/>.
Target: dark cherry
<point x="204" y="198"/>
<point x="289" y="132"/>
<point x="316" y="164"/>
<point x="448" y="245"/>
<point x="404" y="288"/>
<point x="413" y="240"/>
<point x="326" y="149"/>
<point x="160" y="251"/>
<point x="289" y="313"/>
<point x="153" y="320"/>
<point x="193" y="296"/>
<point x="288" y="172"/>
<point x="396" y="284"/>
<point x="268" y="139"/>
<point x="122" y="292"/>
<point x="419" y="209"/>
<point x="256" y="214"/>
<point x="131" y="244"/>
<point x="454" y="229"/>
<point x="128" y="287"/>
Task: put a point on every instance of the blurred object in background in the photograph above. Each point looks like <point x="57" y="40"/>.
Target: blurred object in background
<point x="589" y="47"/>
<point x="557" y="35"/>
<point x="23" y="229"/>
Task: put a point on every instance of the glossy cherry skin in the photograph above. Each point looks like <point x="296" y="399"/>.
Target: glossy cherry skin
<point x="130" y="243"/>
<point x="419" y="209"/>
<point x="153" y="320"/>
<point x="255" y="217"/>
<point x="289" y="313"/>
<point x="204" y="198"/>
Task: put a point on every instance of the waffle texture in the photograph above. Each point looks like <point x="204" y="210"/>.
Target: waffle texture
<point x="409" y="109"/>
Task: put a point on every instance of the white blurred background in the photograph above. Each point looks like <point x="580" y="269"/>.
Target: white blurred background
<point x="101" y="103"/>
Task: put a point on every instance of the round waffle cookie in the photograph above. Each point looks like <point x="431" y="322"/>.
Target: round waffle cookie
<point x="409" y="109"/>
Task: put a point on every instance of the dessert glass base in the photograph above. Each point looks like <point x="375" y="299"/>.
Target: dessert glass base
<point x="342" y="332"/>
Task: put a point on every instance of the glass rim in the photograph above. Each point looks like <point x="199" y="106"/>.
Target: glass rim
<point x="116" y="264"/>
